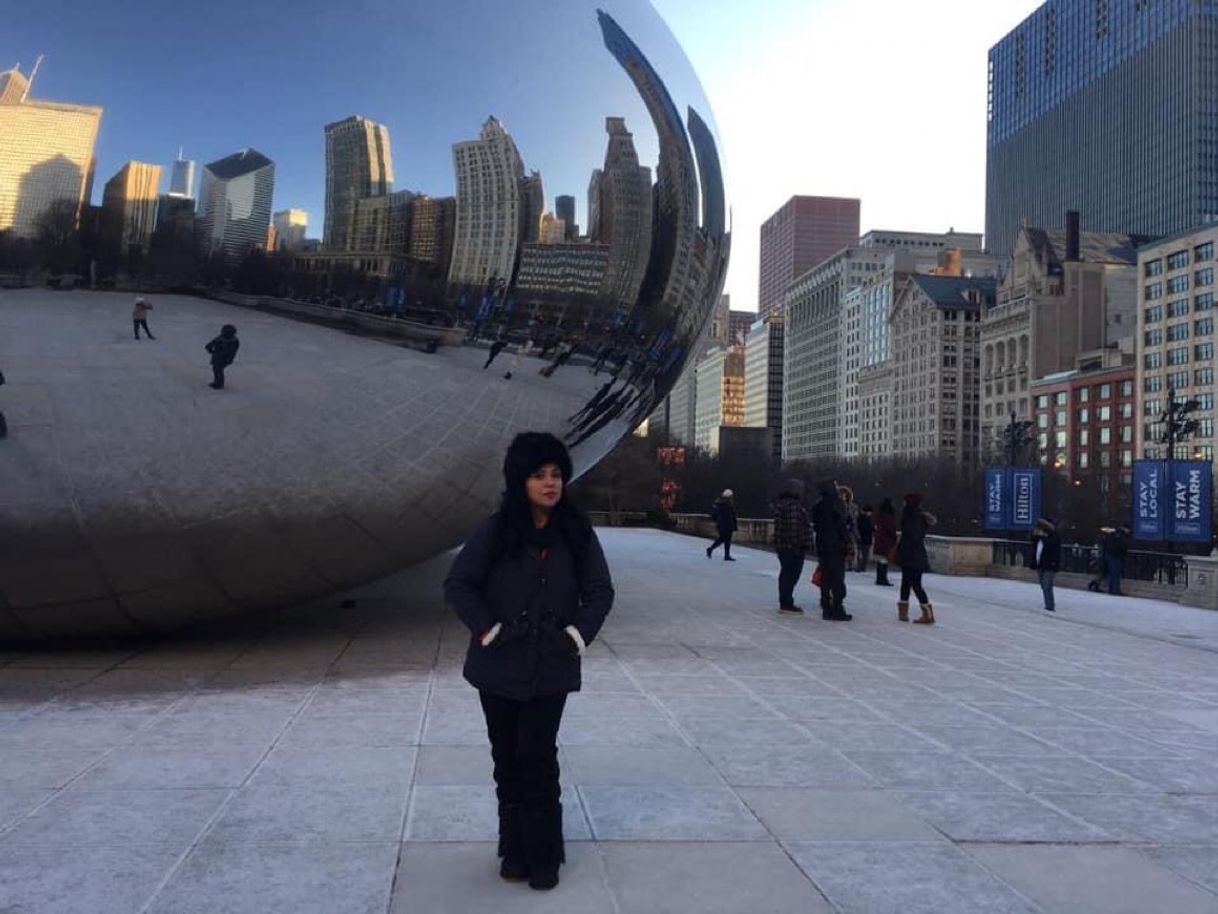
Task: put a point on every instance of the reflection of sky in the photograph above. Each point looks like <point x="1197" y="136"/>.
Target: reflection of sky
<point x="221" y="76"/>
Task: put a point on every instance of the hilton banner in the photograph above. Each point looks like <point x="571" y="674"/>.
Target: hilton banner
<point x="1172" y="500"/>
<point x="1012" y="497"/>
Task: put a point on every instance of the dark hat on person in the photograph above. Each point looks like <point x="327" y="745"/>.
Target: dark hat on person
<point x="913" y="499"/>
<point x="228" y="330"/>
<point x="529" y="452"/>
<point x="1047" y="522"/>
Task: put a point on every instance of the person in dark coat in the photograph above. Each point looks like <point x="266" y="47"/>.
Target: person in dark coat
<point x="723" y="513"/>
<point x="533" y="588"/>
<point x="497" y="347"/>
<point x="139" y="317"/>
<point x="912" y="557"/>
<point x="885" y="521"/>
<point x="832" y="546"/>
<point x="1116" y="548"/>
<point x="792" y="536"/>
<point x="1046" y="557"/>
<point x="223" y="351"/>
<point x="865" y="530"/>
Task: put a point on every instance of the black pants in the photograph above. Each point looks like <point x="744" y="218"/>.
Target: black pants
<point x="726" y="540"/>
<point x="217" y="376"/>
<point x="142" y="323"/>
<point x="832" y="581"/>
<point x="493" y="354"/>
<point x="792" y="565"/>
<point x="524" y="748"/>
<point x="911" y="579"/>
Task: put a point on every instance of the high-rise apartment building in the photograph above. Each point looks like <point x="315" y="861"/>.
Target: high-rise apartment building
<point x="804" y="232"/>
<point x="564" y="209"/>
<point x="432" y="222"/>
<point x="1175" y="338"/>
<point x="487" y="238"/>
<point x="46" y="154"/>
<point x="1106" y="107"/>
<point x="381" y="224"/>
<point x="359" y="163"/>
<point x="235" y="203"/>
<point x="291" y="226"/>
<point x="182" y="182"/>
<point x="129" y="206"/>
<point x="624" y="214"/>
<point x="1066" y="293"/>
<point x="763" y="379"/>
<point x="936" y="324"/>
<point x="532" y="207"/>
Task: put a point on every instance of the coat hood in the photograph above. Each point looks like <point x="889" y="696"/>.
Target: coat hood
<point x="827" y="489"/>
<point x="792" y="488"/>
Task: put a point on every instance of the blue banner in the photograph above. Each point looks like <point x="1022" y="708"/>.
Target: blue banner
<point x="1025" y="497"/>
<point x="996" y="498"/>
<point x="1191" y="501"/>
<point x="1012" y="497"/>
<point x="1149" y="483"/>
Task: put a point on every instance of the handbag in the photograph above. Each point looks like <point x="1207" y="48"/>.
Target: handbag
<point x="818" y="576"/>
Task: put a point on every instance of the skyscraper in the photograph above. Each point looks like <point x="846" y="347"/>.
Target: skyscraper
<point x="182" y="183"/>
<point x="532" y="207"/>
<point x="291" y="226"/>
<point x="46" y="154"/>
<point x="432" y="222"/>
<point x="235" y="203"/>
<point x="129" y="205"/>
<point x="564" y="209"/>
<point x="625" y="215"/>
<point x="359" y="164"/>
<point x="805" y="231"/>
<point x="489" y="173"/>
<point x="1106" y="108"/>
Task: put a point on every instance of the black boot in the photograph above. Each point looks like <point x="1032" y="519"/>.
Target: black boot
<point x="511" y="843"/>
<point x="839" y="614"/>
<point x="544" y="844"/>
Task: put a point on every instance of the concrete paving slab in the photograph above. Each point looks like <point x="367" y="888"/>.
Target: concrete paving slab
<point x="795" y="814"/>
<point x="1155" y="818"/>
<point x="107" y="880"/>
<point x="464" y="813"/>
<point x="998" y="817"/>
<point x="387" y="768"/>
<point x="1198" y="864"/>
<point x="786" y="766"/>
<point x="668" y="813"/>
<point x="323" y="812"/>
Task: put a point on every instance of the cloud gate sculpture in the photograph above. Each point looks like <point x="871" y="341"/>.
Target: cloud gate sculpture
<point x="433" y="226"/>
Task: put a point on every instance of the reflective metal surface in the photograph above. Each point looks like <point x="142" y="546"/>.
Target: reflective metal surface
<point x="449" y="305"/>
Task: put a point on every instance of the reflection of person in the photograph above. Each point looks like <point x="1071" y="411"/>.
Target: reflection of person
<point x="3" y="421"/>
<point x="791" y="540"/>
<point x="723" y="513"/>
<point x="832" y="545"/>
<point x="885" y="522"/>
<point x="866" y="530"/>
<point x="496" y="347"/>
<point x="223" y="351"/>
<point x="913" y="559"/>
<point x="1116" y="548"/>
<point x="533" y="588"/>
<point x="139" y="317"/>
<point x="1046" y="557"/>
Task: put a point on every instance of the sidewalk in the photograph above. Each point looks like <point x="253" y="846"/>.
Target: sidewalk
<point x="721" y="758"/>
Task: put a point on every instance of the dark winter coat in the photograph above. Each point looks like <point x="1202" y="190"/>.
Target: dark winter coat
<point x="866" y="530"/>
<point x="535" y="594"/>
<point x="885" y="533"/>
<point x="911" y="547"/>
<point x="1050" y="553"/>
<point x="792" y="526"/>
<point x="223" y="350"/>
<point x="829" y="522"/>
<point x="1116" y="544"/>
<point x="724" y="513"/>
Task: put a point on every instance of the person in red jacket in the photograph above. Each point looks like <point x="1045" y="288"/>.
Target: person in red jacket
<point x="885" y="522"/>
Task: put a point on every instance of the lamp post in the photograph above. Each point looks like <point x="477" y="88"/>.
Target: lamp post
<point x="1017" y="436"/>
<point x="1177" y="428"/>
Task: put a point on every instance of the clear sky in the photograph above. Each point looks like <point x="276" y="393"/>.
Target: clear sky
<point x="882" y="100"/>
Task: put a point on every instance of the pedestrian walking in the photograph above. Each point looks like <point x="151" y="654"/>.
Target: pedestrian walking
<point x="866" y="533"/>
<point x="912" y="557"/>
<point x="1096" y="565"/>
<point x="1046" y="557"/>
<point x="792" y="536"/>
<point x="832" y="547"/>
<point x="723" y="513"/>
<point x="533" y="588"/>
<point x="885" y="522"/>
<point x="223" y="351"/>
<point x="139" y="316"/>
<point x="1116" y="548"/>
<point x="496" y="347"/>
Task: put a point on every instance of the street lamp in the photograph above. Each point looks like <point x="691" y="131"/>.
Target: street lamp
<point x="1177" y="424"/>
<point x="1016" y="436"/>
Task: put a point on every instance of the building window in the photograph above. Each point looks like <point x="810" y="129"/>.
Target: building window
<point x="1105" y="391"/>
<point x="1127" y="388"/>
<point x="1153" y="268"/>
<point x="1177" y="356"/>
<point x="1059" y="440"/>
<point x="1203" y="352"/>
<point x="1152" y="360"/>
<point x="1204" y="401"/>
<point x="1203" y="252"/>
<point x="1125" y="433"/>
<point x="1084" y="437"/>
<point x="1105" y="436"/>
<point x="1154" y="290"/>
<point x="1042" y="440"/>
<point x="1061" y="398"/>
<point x="1152" y="383"/>
<point x="1083" y="394"/>
<point x="1203" y="376"/>
<point x="1104" y="414"/>
<point x="1177" y="332"/>
<point x="1105" y="459"/>
<point x="1083" y="416"/>
<point x="1042" y="420"/>
<point x="1126" y="411"/>
<point x="1153" y="314"/>
<point x="1205" y="428"/>
<point x="1204" y="277"/>
<point x="1042" y="402"/>
<point x="1177" y="284"/>
<point x="1203" y="302"/>
<point x="1177" y="308"/>
<point x="1082" y="460"/>
<point x="1177" y="260"/>
<point x="1061" y="418"/>
<point x="1152" y="407"/>
<point x="1203" y="327"/>
<point x="1177" y="379"/>
<point x="1153" y="337"/>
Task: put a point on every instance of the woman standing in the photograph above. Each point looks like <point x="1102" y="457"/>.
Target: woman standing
<point x="885" y="523"/>
<point x="912" y="557"/>
<point x="533" y="588"/>
<point x="724" y="514"/>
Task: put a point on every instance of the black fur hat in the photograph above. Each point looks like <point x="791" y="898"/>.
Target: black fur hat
<point x="528" y="453"/>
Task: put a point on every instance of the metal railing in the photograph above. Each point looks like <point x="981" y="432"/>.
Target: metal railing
<point x="1155" y="567"/>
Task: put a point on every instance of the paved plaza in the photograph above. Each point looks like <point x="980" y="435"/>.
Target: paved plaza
<point x="721" y="758"/>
